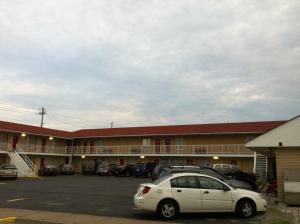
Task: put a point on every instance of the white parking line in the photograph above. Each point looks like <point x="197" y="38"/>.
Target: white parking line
<point x="16" y="199"/>
<point x="2" y="183"/>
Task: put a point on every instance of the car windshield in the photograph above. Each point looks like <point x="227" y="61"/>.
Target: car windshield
<point x="50" y="166"/>
<point x="8" y="167"/>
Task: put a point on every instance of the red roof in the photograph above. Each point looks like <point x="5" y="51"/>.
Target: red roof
<point x="14" y="127"/>
<point x="220" y="128"/>
<point x="243" y="127"/>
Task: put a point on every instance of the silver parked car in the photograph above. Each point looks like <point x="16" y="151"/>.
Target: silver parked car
<point x="8" y="172"/>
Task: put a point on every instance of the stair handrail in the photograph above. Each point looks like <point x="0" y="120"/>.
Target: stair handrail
<point x="20" y="164"/>
<point x="26" y="158"/>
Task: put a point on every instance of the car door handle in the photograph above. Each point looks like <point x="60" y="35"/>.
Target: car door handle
<point x="206" y="192"/>
<point x="179" y="190"/>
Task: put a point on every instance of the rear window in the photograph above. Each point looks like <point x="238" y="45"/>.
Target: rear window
<point x="158" y="181"/>
<point x="8" y="167"/>
<point x="50" y="166"/>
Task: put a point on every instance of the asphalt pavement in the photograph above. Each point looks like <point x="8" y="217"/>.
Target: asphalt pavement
<point x="93" y="195"/>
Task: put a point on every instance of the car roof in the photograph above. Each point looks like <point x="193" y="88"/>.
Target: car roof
<point x="192" y="174"/>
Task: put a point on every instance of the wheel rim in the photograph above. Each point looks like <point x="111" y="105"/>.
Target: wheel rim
<point x="168" y="210"/>
<point x="247" y="209"/>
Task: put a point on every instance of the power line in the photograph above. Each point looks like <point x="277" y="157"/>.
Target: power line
<point x="57" y="116"/>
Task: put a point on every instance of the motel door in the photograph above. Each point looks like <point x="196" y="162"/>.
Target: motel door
<point x="43" y="144"/>
<point x="122" y="162"/>
<point x="84" y="147"/>
<point x="168" y="145"/>
<point x="157" y="146"/>
<point x="15" y="141"/>
<point x="42" y="162"/>
<point x="92" y="144"/>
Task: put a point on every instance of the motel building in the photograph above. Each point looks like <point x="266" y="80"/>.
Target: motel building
<point x="30" y="147"/>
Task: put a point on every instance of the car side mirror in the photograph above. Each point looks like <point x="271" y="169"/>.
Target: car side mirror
<point x="225" y="188"/>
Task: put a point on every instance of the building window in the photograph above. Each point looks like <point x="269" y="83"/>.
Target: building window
<point x="179" y="143"/>
<point x="146" y="141"/>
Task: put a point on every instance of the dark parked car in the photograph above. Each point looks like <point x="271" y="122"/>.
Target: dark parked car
<point x="144" y="169"/>
<point x="127" y="170"/>
<point x="210" y="172"/>
<point x="159" y="168"/>
<point x="67" y="169"/>
<point x="8" y="172"/>
<point x="88" y="169"/>
<point x="240" y="175"/>
<point x="48" y="170"/>
<point x="106" y="169"/>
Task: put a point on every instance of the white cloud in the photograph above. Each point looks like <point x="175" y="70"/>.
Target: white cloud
<point x="151" y="62"/>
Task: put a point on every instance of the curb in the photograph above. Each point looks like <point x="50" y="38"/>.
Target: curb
<point x="8" y="219"/>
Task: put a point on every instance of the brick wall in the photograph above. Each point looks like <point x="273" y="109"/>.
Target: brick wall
<point x="286" y="159"/>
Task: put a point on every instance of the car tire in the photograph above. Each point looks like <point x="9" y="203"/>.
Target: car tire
<point x="245" y="208"/>
<point x="167" y="209"/>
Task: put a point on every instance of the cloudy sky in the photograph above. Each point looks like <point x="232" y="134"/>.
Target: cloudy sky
<point x="148" y="62"/>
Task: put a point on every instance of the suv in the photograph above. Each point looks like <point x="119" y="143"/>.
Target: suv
<point x="67" y="169"/>
<point x="207" y="171"/>
<point x="127" y="170"/>
<point x="144" y="170"/>
<point x="106" y="169"/>
<point x="48" y="170"/>
<point x="88" y="169"/>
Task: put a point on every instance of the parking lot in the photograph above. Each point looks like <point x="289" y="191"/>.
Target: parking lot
<point x="94" y="195"/>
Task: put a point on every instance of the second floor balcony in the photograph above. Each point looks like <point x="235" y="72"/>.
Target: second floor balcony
<point x="220" y="149"/>
<point x="151" y="150"/>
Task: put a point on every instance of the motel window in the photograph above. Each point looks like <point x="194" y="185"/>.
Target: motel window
<point x="31" y="140"/>
<point x="179" y="143"/>
<point x="146" y="141"/>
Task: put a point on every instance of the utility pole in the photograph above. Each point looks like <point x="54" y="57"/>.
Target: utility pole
<point x="42" y="113"/>
<point x="111" y="124"/>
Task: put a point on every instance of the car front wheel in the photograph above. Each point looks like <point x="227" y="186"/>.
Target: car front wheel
<point x="168" y="209"/>
<point x="245" y="208"/>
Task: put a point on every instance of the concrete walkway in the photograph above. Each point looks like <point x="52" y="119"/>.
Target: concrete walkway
<point x="67" y="218"/>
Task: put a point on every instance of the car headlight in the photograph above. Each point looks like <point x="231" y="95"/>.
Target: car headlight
<point x="260" y="196"/>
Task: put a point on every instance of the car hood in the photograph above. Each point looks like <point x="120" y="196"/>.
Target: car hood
<point x="239" y="184"/>
<point x="246" y="192"/>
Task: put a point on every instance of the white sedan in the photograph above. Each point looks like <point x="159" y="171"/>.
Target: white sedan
<point x="190" y="192"/>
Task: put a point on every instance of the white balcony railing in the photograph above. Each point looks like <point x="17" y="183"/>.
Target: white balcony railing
<point x="220" y="149"/>
<point x="164" y="149"/>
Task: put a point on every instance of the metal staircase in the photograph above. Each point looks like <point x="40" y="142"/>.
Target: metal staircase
<point x="261" y="167"/>
<point x="24" y="165"/>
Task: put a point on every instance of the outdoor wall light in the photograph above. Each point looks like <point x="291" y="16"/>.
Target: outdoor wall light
<point x="142" y="157"/>
<point x="82" y="157"/>
<point x="215" y="157"/>
<point x="23" y="134"/>
<point x="50" y="138"/>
